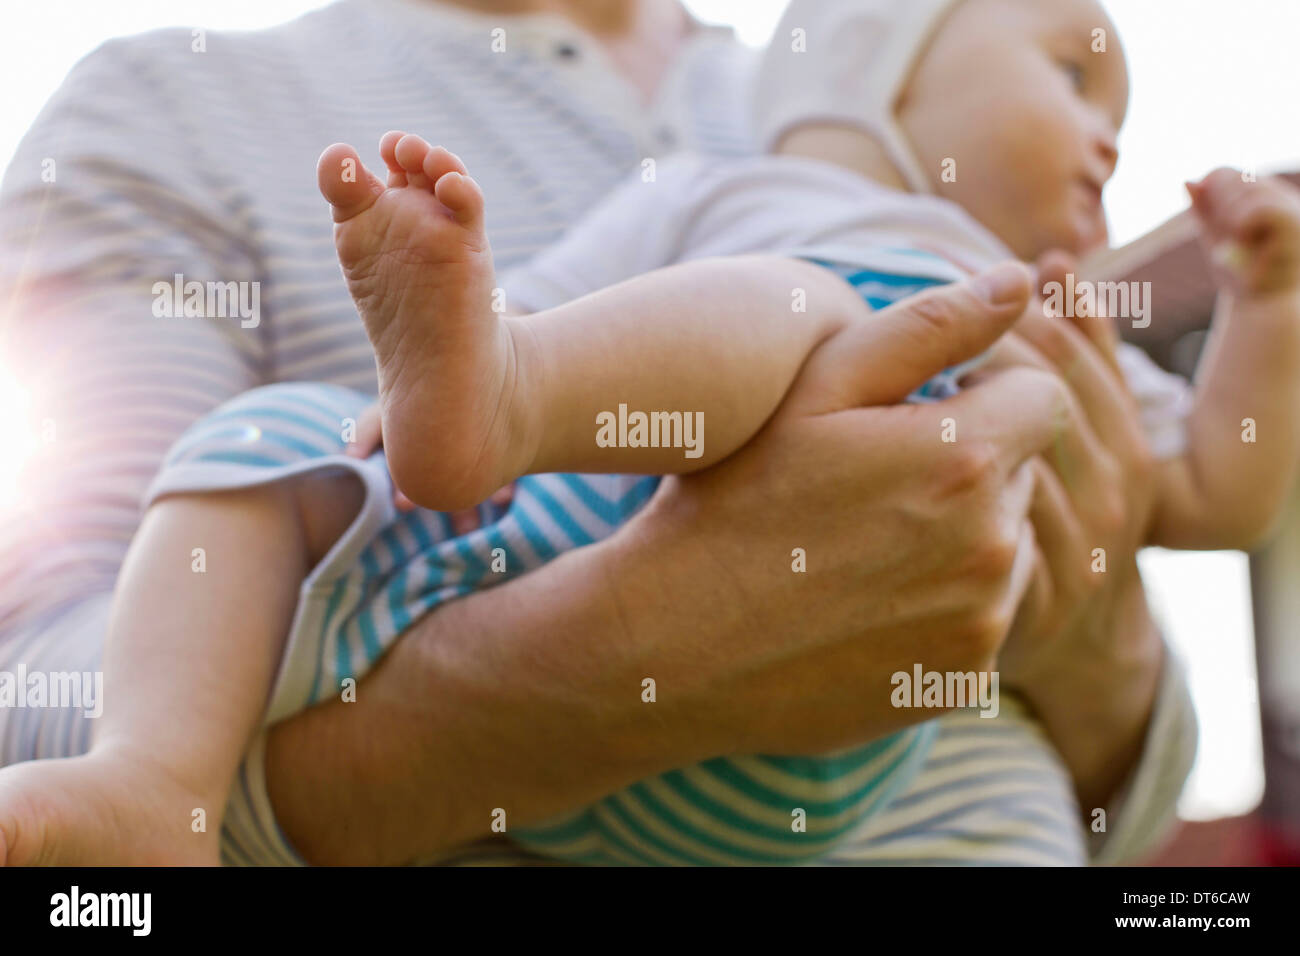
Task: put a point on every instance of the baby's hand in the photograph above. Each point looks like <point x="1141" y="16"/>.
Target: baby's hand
<point x="1252" y="230"/>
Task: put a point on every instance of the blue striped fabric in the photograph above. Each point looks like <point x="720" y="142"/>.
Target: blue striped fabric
<point x="882" y="289"/>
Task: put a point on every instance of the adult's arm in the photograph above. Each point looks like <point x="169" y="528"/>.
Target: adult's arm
<point x="528" y="697"/>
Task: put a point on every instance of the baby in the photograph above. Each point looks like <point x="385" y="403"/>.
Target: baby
<point x="696" y="296"/>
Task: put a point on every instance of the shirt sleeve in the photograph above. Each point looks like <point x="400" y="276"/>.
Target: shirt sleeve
<point x="104" y="202"/>
<point x="637" y="228"/>
<point x="1141" y="817"/>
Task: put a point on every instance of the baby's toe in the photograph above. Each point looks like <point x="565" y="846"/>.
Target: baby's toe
<point x="388" y="147"/>
<point x="388" y="151"/>
<point x="410" y="153"/>
<point x="438" y="162"/>
<point x="345" y="182"/>
<point x="462" y="196"/>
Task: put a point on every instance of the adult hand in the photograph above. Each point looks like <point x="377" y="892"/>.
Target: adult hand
<point x="1083" y="649"/>
<point x="917" y="549"/>
<point x="1093" y="499"/>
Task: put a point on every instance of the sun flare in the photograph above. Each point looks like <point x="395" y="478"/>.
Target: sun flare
<point x="19" y="442"/>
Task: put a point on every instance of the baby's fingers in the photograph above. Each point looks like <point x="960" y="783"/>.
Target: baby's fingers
<point x="467" y="520"/>
<point x="369" y="434"/>
<point x="1215" y="196"/>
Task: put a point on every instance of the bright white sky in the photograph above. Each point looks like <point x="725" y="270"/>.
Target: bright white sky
<point x="1215" y="82"/>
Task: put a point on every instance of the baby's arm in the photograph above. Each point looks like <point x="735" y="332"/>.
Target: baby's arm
<point x="712" y="346"/>
<point x="1227" y="490"/>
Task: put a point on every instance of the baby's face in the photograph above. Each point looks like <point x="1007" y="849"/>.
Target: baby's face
<point x="1013" y="91"/>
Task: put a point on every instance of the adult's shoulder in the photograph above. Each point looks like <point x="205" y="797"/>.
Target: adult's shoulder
<point x="182" y="69"/>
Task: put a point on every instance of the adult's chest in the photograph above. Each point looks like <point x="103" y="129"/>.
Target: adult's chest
<point x="542" y="157"/>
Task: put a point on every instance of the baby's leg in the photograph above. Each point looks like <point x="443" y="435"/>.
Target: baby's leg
<point x="194" y="640"/>
<point x="717" y="342"/>
<point x="713" y="343"/>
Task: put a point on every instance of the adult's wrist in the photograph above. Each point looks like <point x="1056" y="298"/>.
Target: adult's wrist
<point x="661" y="582"/>
<point x="525" y="696"/>
<point x="589" y="629"/>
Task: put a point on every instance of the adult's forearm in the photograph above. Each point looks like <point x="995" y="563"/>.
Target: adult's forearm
<point x="1097" y="712"/>
<point x="524" y="697"/>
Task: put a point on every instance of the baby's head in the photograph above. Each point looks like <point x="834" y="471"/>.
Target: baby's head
<point x="1024" y="97"/>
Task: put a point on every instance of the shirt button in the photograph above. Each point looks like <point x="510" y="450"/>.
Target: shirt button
<point x="566" y="51"/>
<point x="666" y="136"/>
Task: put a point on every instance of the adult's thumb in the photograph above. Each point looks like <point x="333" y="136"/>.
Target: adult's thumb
<point x="889" y="354"/>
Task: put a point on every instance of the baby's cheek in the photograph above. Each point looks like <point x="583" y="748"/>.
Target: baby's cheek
<point x="1029" y="147"/>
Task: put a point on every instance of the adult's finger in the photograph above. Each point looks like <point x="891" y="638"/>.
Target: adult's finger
<point x="887" y="356"/>
<point x="1023" y="412"/>
<point x="1099" y="387"/>
<point x="1017" y="413"/>
<point x="1056" y="268"/>
<point x="1023" y="573"/>
<point x="1057" y="527"/>
<point x="1100" y="331"/>
<point x="1010" y="351"/>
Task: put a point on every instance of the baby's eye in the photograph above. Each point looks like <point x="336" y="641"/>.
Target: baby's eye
<point x="1076" y="74"/>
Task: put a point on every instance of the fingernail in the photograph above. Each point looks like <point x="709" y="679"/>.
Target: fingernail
<point x="1002" y="284"/>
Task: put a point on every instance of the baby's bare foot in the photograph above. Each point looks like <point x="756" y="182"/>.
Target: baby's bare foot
<point x="107" y="808"/>
<point x="418" y="265"/>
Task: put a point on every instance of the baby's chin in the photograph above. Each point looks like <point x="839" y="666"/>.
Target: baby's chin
<point x="1076" y="236"/>
<point x="1068" y="232"/>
